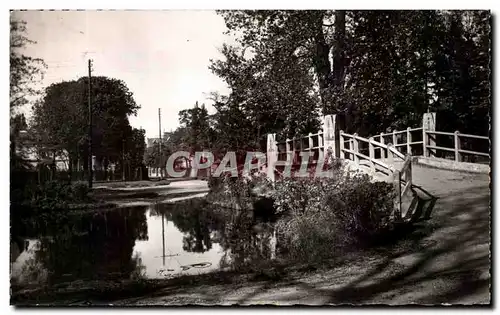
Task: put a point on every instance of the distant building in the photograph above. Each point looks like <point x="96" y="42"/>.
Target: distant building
<point x="28" y="151"/>
<point x="153" y="141"/>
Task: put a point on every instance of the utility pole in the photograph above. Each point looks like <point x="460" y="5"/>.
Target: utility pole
<point x="123" y="159"/>
<point x="90" y="125"/>
<point x="160" y="153"/>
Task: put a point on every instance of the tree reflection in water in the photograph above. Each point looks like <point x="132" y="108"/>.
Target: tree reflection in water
<point x="195" y="220"/>
<point x="100" y="245"/>
<point x="244" y="242"/>
<point x="89" y="246"/>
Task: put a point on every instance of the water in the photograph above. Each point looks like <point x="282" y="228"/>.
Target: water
<point x="155" y="242"/>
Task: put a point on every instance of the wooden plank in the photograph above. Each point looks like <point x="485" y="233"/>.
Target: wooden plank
<point x="372" y="154"/>
<point x="378" y="162"/>
<point x="440" y="148"/>
<point x="405" y="189"/>
<point x="440" y="133"/>
<point x="473" y="136"/>
<point x="474" y="153"/>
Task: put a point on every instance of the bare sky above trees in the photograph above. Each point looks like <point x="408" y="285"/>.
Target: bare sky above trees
<point x="162" y="56"/>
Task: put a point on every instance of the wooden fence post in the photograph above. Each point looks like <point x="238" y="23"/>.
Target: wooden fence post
<point x="408" y="140"/>
<point x="271" y="155"/>
<point x="397" y="188"/>
<point x="356" y="148"/>
<point x="311" y="145"/>
<point x="394" y="139"/>
<point x="429" y="124"/>
<point x="424" y="143"/>
<point x="390" y="158"/>
<point x="329" y="133"/>
<point x="409" y="176"/>
<point x="321" y="149"/>
<point x="457" y="146"/>
<point x="371" y="150"/>
<point x="341" y="140"/>
<point x="382" y="150"/>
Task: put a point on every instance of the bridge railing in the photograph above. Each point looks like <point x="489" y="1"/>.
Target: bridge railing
<point x="401" y="178"/>
<point x="457" y="148"/>
<point x="402" y="140"/>
<point x="426" y="144"/>
<point x="313" y="142"/>
<point x="350" y="148"/>
<point x="402" y="185"/>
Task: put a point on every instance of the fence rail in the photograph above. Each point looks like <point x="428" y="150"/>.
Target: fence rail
<point x="402" y="179"/>
<point x="379" y="152"/>
<point x="428" y="142"/>
<point x="429" y="146"/>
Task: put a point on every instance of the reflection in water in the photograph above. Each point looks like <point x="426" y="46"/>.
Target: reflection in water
<point x="163" y="240"/>
<point x="85" y="247"/>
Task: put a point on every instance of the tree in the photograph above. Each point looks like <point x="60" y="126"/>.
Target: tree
<point x="376" y="70"/>
<point x="135" y="148"/>
<point x="307" y="34"/>
<point x="269" y="94"/>
<point x="61" y="118"/>
<point x="195" y="121"/>
<point x="24" y="70"/>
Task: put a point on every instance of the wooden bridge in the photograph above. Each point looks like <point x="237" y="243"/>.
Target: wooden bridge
<point x="395" y="157"/>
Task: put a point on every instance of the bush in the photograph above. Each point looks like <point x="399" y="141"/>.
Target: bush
<point x="53" y="195"/>
<point x="325" y="216"/>
<point x="80" y="191"/>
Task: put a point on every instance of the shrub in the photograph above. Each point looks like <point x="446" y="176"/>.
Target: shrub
<point x="53" y="195"/>
<point x="80" y="191"/>
<point x="328" y="215"/>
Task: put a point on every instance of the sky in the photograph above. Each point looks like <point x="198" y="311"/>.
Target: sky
<point x="162" y="56"/>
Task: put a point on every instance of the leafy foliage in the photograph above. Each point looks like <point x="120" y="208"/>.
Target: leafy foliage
<point x="24" y="70"/>
<point x="330" y="215"/>
<point x="377" y="70"/>
<point x="61" y="117"/>
<point x="195" y="122"/>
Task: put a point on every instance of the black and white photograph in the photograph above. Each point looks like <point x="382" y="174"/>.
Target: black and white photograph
<point x="250" y="158"/>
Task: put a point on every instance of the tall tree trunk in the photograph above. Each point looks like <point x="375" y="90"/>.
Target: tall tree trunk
<point x="340" y="64"/>
<point x="322" y="67"/>
<point x="331" y="83"/>
<point x="339" y="54"/>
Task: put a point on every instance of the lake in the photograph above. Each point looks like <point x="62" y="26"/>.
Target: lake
<point x="153" y="242"/>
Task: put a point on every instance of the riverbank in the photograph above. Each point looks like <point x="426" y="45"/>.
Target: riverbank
<point x="152" y="291"/>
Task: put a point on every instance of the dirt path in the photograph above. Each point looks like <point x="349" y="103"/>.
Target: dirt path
<point x="446" y="260"/>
